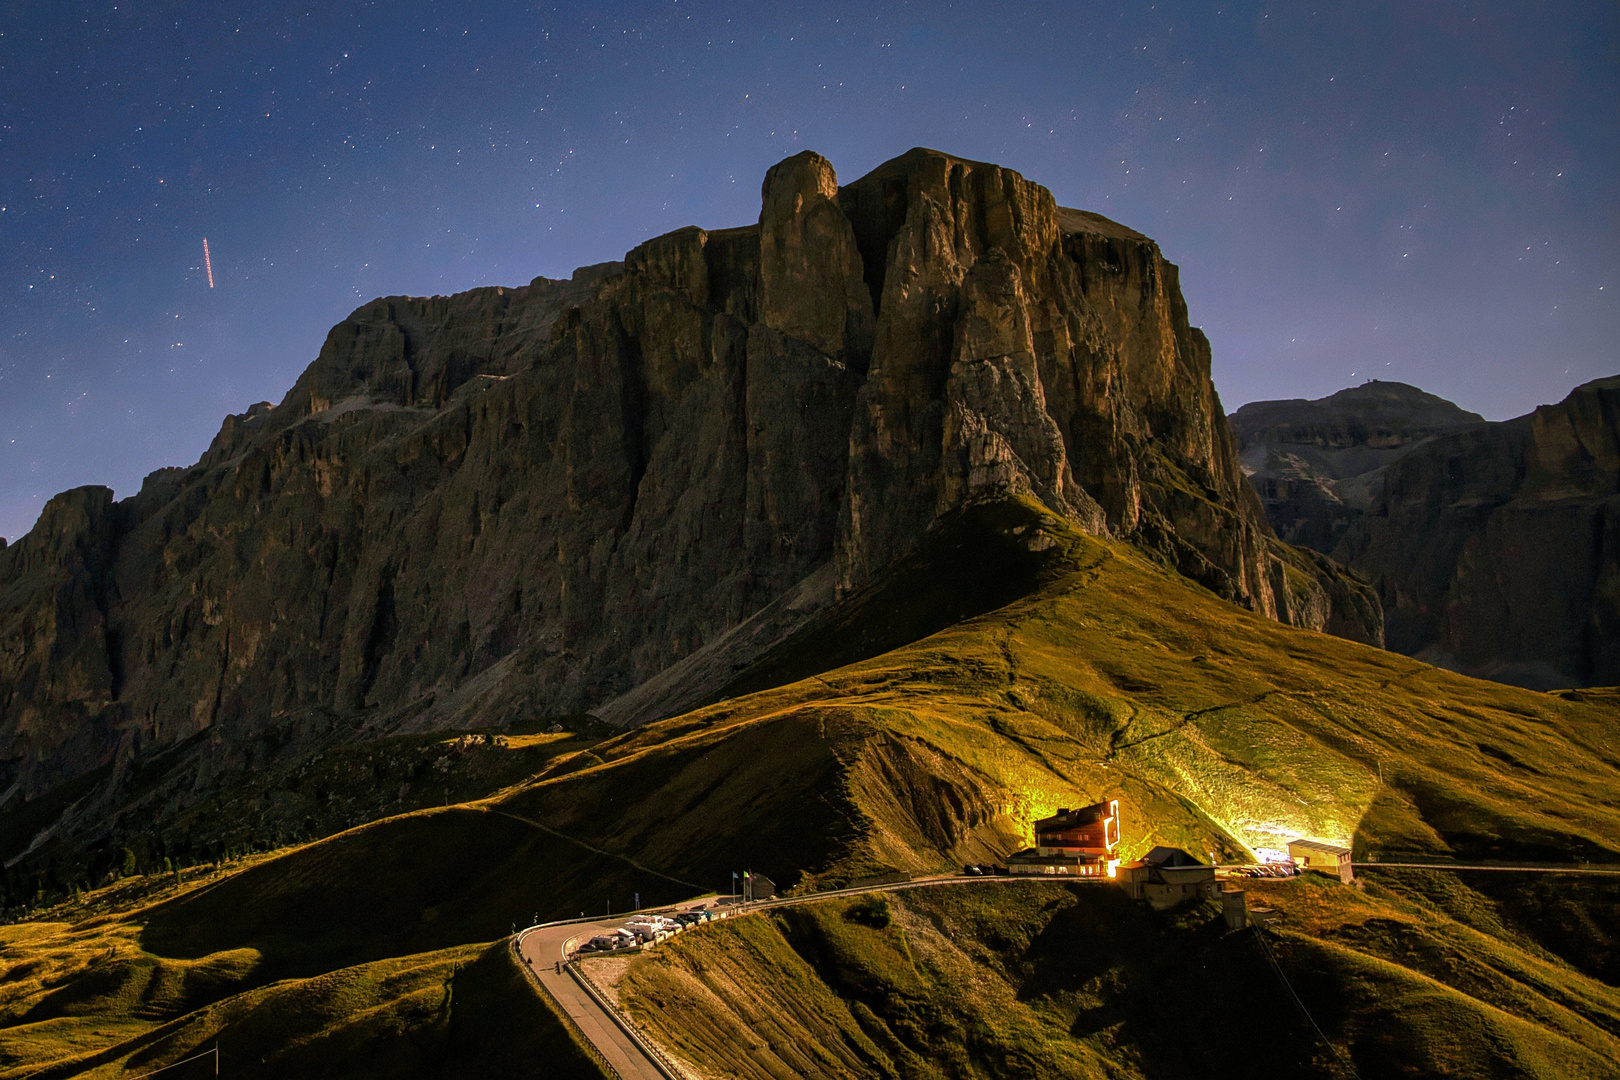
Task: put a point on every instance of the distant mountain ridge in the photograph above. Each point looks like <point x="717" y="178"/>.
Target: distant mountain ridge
<point x="1495" y="547"/>
<point x="1317" y="464"/>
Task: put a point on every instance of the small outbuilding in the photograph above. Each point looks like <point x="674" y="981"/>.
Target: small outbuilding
<point x="1320" y="855"/>
<point x="1166" y="876"/>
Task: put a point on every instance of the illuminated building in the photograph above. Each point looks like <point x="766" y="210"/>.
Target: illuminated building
<point x="1319" y="855"/>
<point x="1073" y="843"/>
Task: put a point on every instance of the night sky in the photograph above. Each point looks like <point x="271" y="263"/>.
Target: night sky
<point x="1421" y="192"/>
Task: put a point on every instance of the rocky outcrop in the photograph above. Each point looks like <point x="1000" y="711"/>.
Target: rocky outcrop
<point x="1024" y="346"/>
<point x="59" y="682"/>
<point x="1496" y="549"/>
<point x="530" y="501"/>
<point x="1318" y="465"/>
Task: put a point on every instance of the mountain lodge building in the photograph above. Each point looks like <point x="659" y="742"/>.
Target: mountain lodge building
<point x="1074" y="843"/>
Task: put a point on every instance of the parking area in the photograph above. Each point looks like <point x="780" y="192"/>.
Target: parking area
<point x="644" y="928"/>
<point x="1258" y="870"/>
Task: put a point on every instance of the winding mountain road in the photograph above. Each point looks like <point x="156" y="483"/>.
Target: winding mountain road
<point x="1506" y="868"/>
<point x="544" y="951"/>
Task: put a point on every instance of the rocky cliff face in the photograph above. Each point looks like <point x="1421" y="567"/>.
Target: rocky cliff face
<point x="529" y="501"/>
<point x="1496" y="548"/>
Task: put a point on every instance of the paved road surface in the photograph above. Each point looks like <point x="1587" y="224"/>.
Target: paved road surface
<point x="1522" y="869"/>
<point x="542" y="948"/>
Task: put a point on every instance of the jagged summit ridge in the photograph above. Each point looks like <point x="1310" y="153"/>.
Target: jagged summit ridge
<point x="529" y="501"/>
<point x="1378" y="413"/>
<point x="1318" y="465"/>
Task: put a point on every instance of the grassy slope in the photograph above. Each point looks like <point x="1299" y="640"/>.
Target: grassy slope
<point x="1219" y="730"/>
<point x="293" y="948"/>
<point x="1039" y="980"/>
<point x="1420" y="987"/>
<point x="459" y="1012"/>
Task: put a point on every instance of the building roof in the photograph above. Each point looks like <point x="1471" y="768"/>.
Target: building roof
<point x="1085" y="815"/>
<point x="1318" y="845"/>
<point x="1169" y="856"/>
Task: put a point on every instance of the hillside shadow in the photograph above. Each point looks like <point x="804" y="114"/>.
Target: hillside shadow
<point x="400" y="886"/>
<point x="1188" y="996"/>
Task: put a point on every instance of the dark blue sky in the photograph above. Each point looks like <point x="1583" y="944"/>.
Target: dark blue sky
<point x="1421" y="192"/>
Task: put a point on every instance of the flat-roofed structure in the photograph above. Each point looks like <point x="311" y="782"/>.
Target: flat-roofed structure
<point x="1321" y="855"/>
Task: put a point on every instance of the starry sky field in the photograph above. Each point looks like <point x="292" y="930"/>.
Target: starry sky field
<point x="1422" y="192"/>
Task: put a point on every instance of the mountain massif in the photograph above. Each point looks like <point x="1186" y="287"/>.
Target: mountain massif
<point x="844" y="546"/>
<point x="1494" y="547"/>
<point x="522" y="502"/>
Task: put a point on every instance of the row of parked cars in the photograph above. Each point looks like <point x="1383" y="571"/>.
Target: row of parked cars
<point x="1265" y="870"/>
<point x="986" y="870"/>
<point x="646" y="929"/>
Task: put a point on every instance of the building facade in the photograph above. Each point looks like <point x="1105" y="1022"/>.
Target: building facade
<point x="1073" y="843"/>
<point x="1165" y="877"/>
